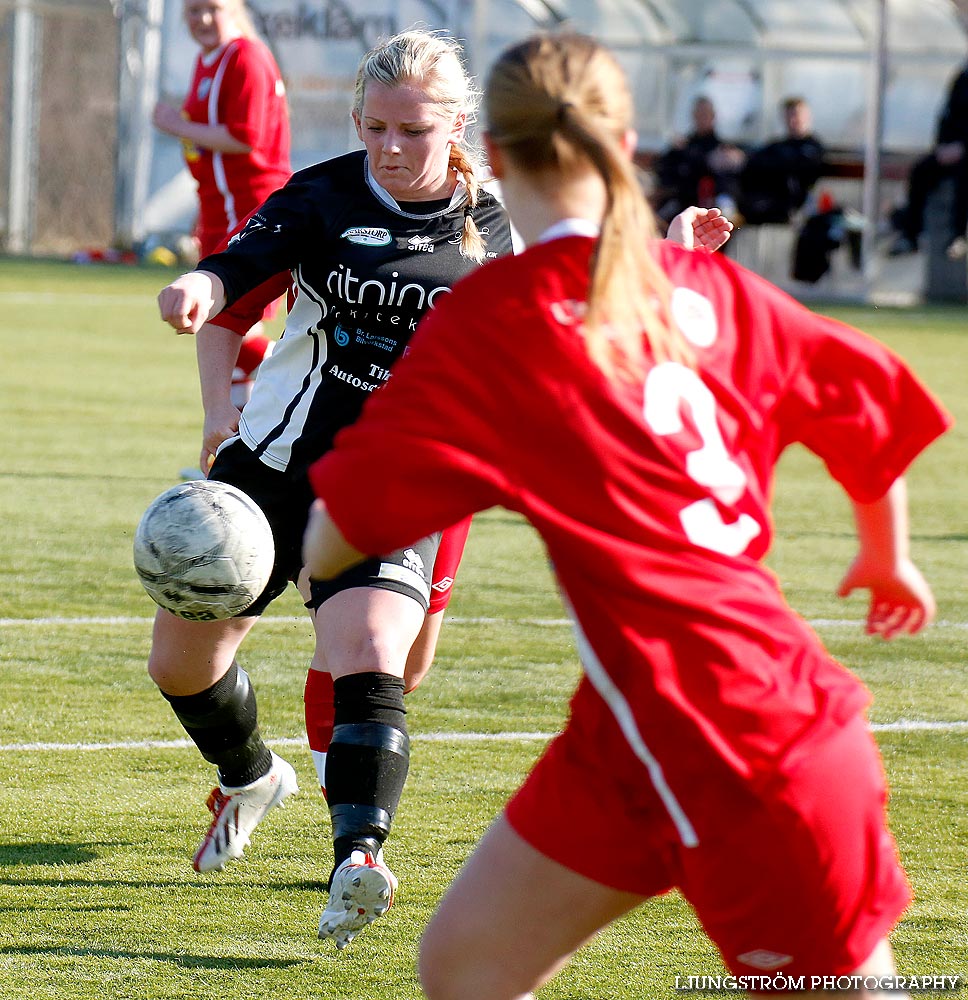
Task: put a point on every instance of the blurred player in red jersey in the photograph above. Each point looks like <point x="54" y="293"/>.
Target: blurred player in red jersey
<point x="234" y="129"/>
<point x="631" y="400"/>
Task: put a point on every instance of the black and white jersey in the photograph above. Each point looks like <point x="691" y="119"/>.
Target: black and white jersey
<point x="364" y="269"/>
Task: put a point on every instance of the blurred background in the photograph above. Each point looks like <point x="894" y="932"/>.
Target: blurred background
<point x="84" y="173"/>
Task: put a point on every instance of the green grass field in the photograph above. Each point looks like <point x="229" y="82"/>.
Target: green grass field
<point x="101" y="804"/>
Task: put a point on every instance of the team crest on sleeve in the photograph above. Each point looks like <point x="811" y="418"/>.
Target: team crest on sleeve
<point x="694" y="315"/>
<point x="254" y="225"/>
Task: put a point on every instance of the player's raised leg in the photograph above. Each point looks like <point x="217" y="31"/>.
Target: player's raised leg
<point x="193" y="664"/>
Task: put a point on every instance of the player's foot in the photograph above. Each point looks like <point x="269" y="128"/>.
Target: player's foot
<point x="236" y="812"/>
<point x="360" y="890"/>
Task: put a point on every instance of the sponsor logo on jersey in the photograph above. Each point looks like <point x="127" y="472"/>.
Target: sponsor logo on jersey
<point x="374" y="292"/>
<point x="568" y="312"/>
<point x="695" y="316"/>
<point x="423" y="244"/>
<point x="367" y="236"/>
<point x="443" y="585"/>
<point x="354" y="380"/>
<point x="341" y="336"/>
<point x="455" y="240"/>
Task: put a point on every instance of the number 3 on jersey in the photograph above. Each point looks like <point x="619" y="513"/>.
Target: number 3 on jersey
<point x="667" y="387"/>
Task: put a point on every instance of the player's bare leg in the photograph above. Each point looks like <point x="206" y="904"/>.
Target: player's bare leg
<point x="364" y="636"/>
<point x="879" y="966"/>
<point x="510" y="921"/>
<point x="193" y="664"/>
<point x="318" y="695"/>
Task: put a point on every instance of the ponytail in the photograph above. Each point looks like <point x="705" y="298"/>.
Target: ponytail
<point x="557" y="105"/>
<point x="471" y="241"/>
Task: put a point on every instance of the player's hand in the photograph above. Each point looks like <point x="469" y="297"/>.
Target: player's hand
<point x="705" y="229"/>
<point x="220" y="425"/>
<point x="189" y="301"/>
<point x="167" y="118"/>
<point x="901" y="600"/>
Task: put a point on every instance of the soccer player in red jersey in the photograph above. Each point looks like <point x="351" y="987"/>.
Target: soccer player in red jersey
<point x="631" y="400"/>
<point x="234" y="130"/>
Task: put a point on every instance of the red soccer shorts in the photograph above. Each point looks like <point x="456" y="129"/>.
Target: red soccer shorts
<point x="805" y="879"/>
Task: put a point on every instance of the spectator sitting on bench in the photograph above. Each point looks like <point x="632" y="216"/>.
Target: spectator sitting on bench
<point x="946" y="160"/>
<point x="778" y="177"/>
<point x="698" y="169"/>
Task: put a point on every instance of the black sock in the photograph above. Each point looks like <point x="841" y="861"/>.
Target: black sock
<point x="367" y="762"/>
<point x="223" y="723"/>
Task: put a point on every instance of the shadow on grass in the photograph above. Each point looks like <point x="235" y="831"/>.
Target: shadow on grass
<point x="50" y="854"/>
<point x="184" y="961"/>
<point x="168" y="885"/>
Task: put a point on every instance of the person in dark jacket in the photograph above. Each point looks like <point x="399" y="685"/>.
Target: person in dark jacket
<point x="698" y="169"/>
<point x="779" y="176"/>
<point x="946" y="161"/>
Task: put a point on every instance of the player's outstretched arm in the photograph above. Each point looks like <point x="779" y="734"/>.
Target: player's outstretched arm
<point x="705" y="229"/>
<point x="190" y="300"/>
<point x="901" y="599"/>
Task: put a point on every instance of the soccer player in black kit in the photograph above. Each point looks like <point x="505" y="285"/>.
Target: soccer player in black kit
<point x="370" y="241"/>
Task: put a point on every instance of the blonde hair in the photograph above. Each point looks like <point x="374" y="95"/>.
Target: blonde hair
<point x="557" y="104"/>
<point x="432" y="63"/>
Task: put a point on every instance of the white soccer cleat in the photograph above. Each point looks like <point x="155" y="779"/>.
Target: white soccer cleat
<point x="361" y="890"/>
<point x="236" y="812"/>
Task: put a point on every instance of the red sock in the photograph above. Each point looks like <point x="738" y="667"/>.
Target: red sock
<point x="318" y="700"/>
<point x="252" y="352"/>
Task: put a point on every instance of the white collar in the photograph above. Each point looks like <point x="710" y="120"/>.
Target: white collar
<point x="456" y="199"/>
<point x="570" y="227"/>
<point x="210" y="58"/>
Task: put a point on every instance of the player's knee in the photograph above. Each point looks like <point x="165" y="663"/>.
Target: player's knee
<point x="439" y="966"/>
<point x="381" y="648"/>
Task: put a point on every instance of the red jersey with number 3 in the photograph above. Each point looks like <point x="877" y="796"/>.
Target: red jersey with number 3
<point x="238" y="86"/>
<point x="652" y="497"/>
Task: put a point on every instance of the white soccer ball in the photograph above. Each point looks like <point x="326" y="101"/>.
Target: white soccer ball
<point x="203" y="550"/>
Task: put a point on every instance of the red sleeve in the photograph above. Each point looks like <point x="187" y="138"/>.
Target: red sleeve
<point x="246" y="311"/>
<point x="428" y="434"/>
<point x="246" y="93"/>
<point x="858" y="406"/>
<point x="449" y="554"/>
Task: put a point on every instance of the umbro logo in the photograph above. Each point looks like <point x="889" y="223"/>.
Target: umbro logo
<point x="762" y="958"/>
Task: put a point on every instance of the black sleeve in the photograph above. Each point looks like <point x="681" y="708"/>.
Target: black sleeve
<point x="274" y="238"/>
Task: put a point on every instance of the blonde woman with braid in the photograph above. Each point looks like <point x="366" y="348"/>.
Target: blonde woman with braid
<point x="370" y="241"/>
<point x="631" y="400"/>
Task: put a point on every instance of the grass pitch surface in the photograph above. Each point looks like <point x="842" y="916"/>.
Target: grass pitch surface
<point x="102" y="803"/>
